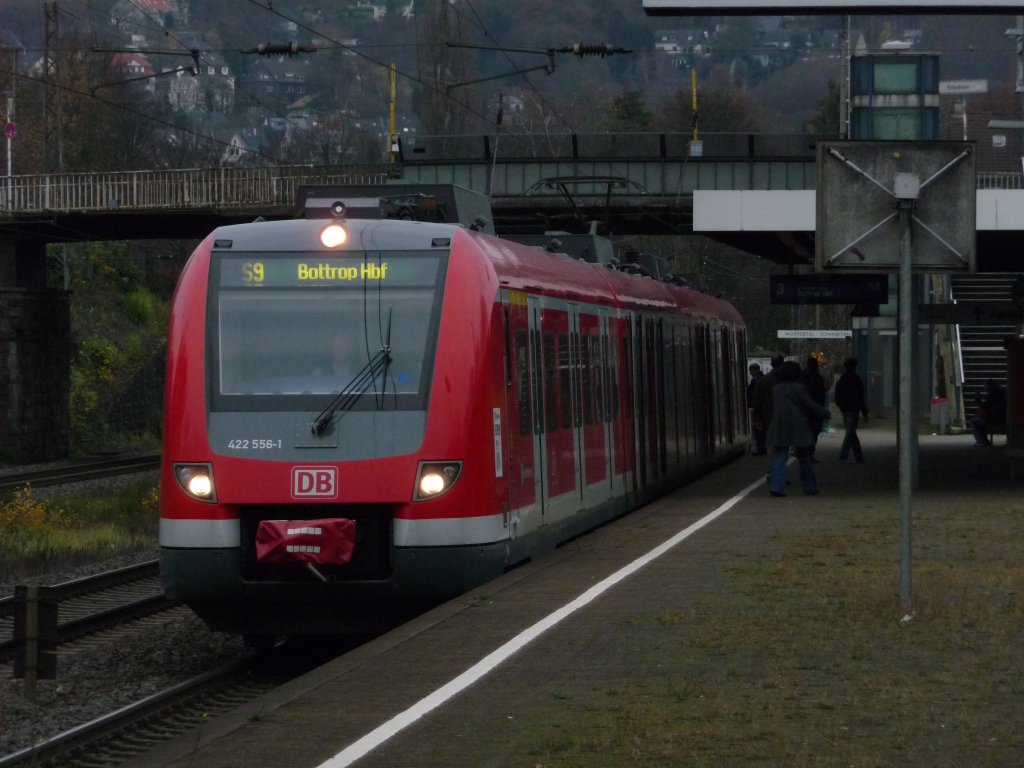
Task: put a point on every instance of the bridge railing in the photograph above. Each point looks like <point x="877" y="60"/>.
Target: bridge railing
<point x="603" y="146"/>
<point x="729" y="161"/>
<point x="173" y="189"/>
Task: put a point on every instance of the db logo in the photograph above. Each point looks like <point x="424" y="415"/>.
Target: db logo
<point x="314" y="482"/>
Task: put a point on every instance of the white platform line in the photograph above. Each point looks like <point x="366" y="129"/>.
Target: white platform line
<point x="432" y="701"/>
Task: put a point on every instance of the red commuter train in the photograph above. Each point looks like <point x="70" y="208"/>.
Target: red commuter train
<point x="368" y="414"/>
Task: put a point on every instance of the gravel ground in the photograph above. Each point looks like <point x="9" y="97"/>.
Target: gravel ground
<point x="100" y="677"/>
<point x="95" y="677"/>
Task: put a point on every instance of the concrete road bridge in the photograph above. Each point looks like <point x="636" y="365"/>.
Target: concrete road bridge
<point x="754" y="191"/>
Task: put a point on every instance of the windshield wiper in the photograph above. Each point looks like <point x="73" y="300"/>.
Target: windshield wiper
<point x="361" y="382"/>
<point x="351" y="392"/>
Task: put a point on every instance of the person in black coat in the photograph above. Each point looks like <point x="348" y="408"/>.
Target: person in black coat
<point x="761" y="397"/>
<point x="756" y="426"/>
<point x="849" y="399"/>
<point x="790" y="428"/>
<point x="991" y="413"/>
<point x="816" y="388"/>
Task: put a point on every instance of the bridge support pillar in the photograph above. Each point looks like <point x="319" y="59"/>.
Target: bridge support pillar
<point x="23" y="264"/>
<point x="35" y="361"/>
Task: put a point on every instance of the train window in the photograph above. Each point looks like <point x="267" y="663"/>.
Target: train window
<point x="296" y="329"/>
<point x="565" y="379"/>
<point x="586" y="381"/>
<point x="577" y="400"/>
<point x="550" y="383"/>
<point x="523" y="378"/>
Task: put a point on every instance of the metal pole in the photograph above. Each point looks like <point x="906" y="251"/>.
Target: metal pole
<point x="9" y="120"/>
<point x="31" y="649"/>
<point x="906" y="419"/>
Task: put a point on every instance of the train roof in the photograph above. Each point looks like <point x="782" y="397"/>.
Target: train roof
<point x="516" y="266"/>
<point x="526" y="268"/>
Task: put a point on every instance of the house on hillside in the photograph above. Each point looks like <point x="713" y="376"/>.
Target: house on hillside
<point x="129" y="15"/>
<point x="134" y="66"/>
<point x="210" y="87"/>
<point x="281" y="80"/>
<point x="235" y="147"/>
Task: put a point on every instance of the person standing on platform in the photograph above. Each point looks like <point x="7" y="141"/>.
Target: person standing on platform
<point x="815" y="384"/>
<point x="991" y="413"/>
<point x="755" y="375"/>
<point x="849" y="399"/>
<point x="761" y="398"/>
<point x="790" y="428"/>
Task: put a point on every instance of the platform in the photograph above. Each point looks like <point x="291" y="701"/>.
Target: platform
<point x="765" y="631"/>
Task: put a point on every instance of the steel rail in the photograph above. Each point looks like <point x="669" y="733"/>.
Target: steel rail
<point x="90" y="735"/>
<point x="96" y="620"/>
<point x="74" y="472"/>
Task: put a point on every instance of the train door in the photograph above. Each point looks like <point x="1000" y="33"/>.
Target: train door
<point x="561" y="469"/>
<point x="703" y="404"/>
<point x="673" y="397"/>
<point x="620" y="395"/>
<point x="649" y="397"/>
<point x="659" y="413"/>
<point x="687" y="378"/>
<point x="728" y="387"/>
<point x="523" y="458"/>
<point x="638" y="391"/>
<point x="591" y="423"/>
<point x="536" y="379"/>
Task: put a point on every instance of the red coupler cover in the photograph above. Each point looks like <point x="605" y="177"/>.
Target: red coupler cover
<point x="321" y="542"/>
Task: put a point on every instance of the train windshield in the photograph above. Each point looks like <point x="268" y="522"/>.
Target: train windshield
<point x="302" y="327"/>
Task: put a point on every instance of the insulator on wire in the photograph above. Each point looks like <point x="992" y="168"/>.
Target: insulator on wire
<point x="280" y="49"/>
<point x="602" y="50"/>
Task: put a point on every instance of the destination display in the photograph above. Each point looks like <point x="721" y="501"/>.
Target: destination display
<point x="316" y="271"/>
<point x="829" y="289"/>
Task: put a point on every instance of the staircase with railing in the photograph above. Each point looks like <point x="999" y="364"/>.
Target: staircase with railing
<point x="982" y="347"/>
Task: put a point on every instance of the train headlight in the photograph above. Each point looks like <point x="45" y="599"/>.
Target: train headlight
<point x="333" y="236"/>
<point x="196" y="481"/>
<point x="435" y="478"/>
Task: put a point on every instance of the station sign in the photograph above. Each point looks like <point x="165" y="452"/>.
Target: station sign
<point x="961" y="87"/>
<point x="814" y="333"/>
<point x="829" y="289"/>
<point x="973" y="313"/>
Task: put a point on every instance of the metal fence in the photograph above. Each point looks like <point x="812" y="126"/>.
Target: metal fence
<point x="192" y="188"/>
<point x="749" y="161"/>
<point x="512" y="146"/>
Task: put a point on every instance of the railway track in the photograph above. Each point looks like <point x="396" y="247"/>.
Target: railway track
<point x="134" y="730"/>
<point x="93" y="611"/>
<point x="78" y="471"/>
<point x="94" y="604"/>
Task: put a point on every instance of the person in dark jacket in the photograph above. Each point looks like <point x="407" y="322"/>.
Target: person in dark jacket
<point x="991" y="413"/>
<point x="849" y="399"/>
<point x="790" y="428"/>
<point x="757" y="427"/>
<point x="816" y="388"/>
<point x="761" y="397"/>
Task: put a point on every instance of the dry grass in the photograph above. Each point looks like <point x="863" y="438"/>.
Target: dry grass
<point x="38" y="535"/>
<point x="807" y="663"/>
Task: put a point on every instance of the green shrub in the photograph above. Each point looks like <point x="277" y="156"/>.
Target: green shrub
<point x="39" y="535"/>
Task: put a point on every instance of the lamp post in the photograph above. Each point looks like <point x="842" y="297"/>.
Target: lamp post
<point x="9" y="127"/>
<point x="1018" y="33"/>
<point x="9" y="132"/>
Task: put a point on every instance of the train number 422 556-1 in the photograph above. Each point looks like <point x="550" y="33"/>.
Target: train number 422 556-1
<point x="259" y="444"/>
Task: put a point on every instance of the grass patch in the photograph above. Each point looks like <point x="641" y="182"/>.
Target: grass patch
<point x="805" y="662"/>
<point x="39" y="535"/>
